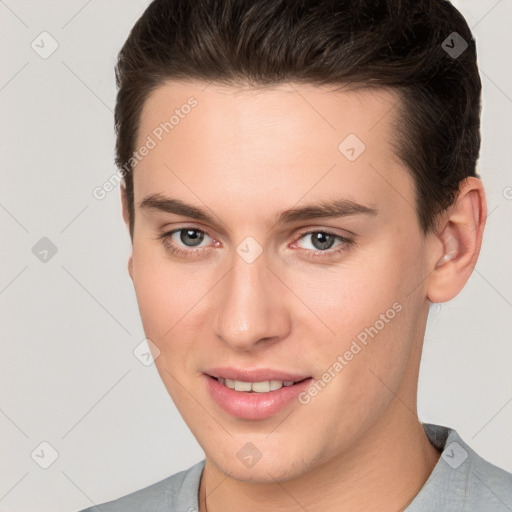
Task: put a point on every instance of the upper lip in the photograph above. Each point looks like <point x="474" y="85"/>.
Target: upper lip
<point x="255" y="375"/>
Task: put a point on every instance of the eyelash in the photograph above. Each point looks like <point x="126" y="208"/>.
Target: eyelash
<point x="310" y="253"/>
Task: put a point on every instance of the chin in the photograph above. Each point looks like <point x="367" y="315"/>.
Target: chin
<point x="275" y="466"/>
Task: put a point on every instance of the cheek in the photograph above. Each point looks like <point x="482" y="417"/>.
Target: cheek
<point x="166" y="295"/>
<point x="365" y="312"/>
<point x="350" y="296"/>
<point x="174" y="301"/>
<point x="167" y="292"/>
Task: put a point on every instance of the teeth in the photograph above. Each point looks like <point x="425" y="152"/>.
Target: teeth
<point x="242" y="386"/>
<point x="229" y="383"/>
<point x="257" y="387"/>
<point x="261" y="387"/>
<point x="275" y="384"/>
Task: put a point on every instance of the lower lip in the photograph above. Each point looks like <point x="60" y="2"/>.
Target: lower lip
<point x="253" y="406"/>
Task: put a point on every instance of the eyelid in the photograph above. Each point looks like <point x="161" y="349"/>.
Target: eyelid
<point x="326" y="230"/>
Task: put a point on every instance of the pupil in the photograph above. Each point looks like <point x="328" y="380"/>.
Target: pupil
<point x="192" y="234"/>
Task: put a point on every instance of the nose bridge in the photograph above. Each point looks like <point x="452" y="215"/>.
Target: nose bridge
<point x="248" y="309"/>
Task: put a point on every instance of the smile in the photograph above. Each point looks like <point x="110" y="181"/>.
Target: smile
<point x="264" y="386"/>
<point x="256" y="394"/>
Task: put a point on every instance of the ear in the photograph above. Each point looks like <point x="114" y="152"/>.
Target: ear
<point x="126" y="219"/>
<point x="456" y="243"/>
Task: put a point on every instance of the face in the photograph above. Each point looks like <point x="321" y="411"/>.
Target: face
<point x="276" y="242"/>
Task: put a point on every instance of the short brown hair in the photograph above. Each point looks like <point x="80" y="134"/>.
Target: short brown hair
<point x="381" y="43"/>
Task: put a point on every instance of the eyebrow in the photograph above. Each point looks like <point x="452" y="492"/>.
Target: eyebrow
<point x="336" y="208"/>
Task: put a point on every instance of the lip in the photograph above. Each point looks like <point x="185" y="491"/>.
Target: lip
<point x="254" y="406"/>
<point x="255" y="375"/>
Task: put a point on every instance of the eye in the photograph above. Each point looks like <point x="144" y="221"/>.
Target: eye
<point x="322" y="243"/>
<point x="184" y="241"/>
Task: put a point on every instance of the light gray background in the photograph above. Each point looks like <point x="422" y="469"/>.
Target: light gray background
<point x="69" y="326"/>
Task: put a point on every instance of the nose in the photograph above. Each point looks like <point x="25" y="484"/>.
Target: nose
<point x="251" y="311"/>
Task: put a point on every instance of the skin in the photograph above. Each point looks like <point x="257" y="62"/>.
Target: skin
<point x="244" y="156"/>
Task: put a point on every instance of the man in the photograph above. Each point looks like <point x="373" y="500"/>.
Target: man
<point x="299" y="187"/>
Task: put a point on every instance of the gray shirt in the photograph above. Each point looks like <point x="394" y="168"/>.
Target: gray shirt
<point x="460" y="481"/>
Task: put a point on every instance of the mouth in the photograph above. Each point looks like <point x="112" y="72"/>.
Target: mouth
<point x="254" y="394"/>
<point x="264" y="386"/>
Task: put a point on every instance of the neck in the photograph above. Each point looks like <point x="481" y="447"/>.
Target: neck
<point x="383" y="470"/>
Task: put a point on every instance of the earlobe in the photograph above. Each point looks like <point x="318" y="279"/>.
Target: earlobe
<point x="461" y="239"/>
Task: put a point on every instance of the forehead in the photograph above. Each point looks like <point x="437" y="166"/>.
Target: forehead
<point x="272" y="144"/>
<point x="305" y="110"/>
